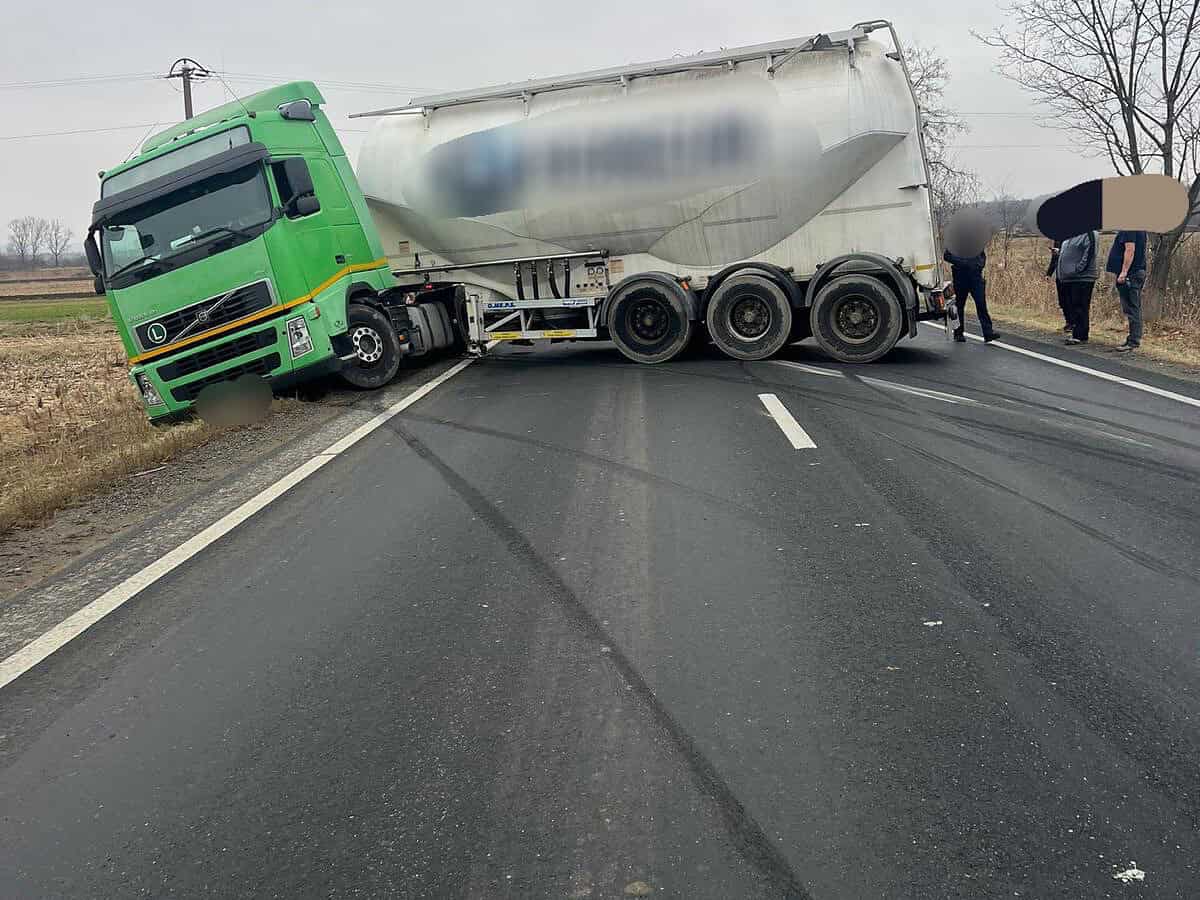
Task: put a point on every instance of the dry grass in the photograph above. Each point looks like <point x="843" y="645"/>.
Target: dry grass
<point x="45" y="282"/>
<point x="70" y="421"/>
<point x="1019" y="292"/>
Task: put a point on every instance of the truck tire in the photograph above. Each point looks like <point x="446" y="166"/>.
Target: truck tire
<point x="439" y="325"/>
<point x="749" y="316"/>
<point x="376" y="348"/>
<point x="648" y="320"/>
<point x="856" y="318"/>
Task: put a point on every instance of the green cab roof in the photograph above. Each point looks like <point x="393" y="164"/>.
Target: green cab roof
<point x="263" y="101"/>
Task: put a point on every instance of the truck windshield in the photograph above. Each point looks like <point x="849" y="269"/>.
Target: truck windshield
<point x="221" y="212"/>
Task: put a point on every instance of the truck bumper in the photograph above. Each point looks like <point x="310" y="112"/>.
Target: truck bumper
<point x="262" y="349"/>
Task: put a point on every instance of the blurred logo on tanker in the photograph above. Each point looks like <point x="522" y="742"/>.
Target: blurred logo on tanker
<point x="644" y="148"/>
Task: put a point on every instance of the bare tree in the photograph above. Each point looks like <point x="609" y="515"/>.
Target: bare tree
<point x="1007" y="217"/>
<point x="1123" y="78"/>
<point x="952" y="187"/>
<point x="58" y="239"/>
<point x="26" y="236"/>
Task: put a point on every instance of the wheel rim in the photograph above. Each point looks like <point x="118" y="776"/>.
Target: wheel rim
<point x="649" y="319"/>
<point x="856" y="319"/>
<point x="368" y="345"/>
<point x="749" y="318"/>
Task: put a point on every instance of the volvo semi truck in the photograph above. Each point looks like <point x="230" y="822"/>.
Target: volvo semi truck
<point x="751" y="197"/>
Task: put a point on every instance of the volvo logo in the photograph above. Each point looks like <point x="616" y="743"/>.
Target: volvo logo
<point x="202" y="316"/>
<point x="156" y="333"/>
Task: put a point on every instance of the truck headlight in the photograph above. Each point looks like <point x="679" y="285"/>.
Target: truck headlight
<point x="298" y="337"/>
<point x="149" y="392"/>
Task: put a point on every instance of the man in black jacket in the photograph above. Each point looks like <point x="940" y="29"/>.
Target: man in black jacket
<point x="967" y="274"/>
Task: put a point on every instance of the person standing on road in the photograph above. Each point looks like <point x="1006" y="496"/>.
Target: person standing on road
<point x="1052" y="270"/>
<point x="1076" y="275"/>
<point x="967" y="274"/>
<point x="1127" y="260"/>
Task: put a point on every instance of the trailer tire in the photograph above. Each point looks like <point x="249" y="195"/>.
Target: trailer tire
<point x="376" y="348"/>
<point x="856" y="318"/>
<point x="749" y="316"/>
<point x="648" y="320"/>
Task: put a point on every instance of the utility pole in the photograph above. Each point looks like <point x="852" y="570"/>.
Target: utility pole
<point x="185" y="70"/>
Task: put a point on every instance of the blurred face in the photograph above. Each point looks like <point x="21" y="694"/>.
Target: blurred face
<point x="968" y="233"/>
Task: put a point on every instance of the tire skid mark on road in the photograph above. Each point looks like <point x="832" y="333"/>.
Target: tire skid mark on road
<point x="746" y="835"/>
<point x="892" y="402"/>
<point x="1153" y="563"/>
<point x="1094" y="373"/>
<point x="603" y="462"/>
<point x="1073" y="414"/>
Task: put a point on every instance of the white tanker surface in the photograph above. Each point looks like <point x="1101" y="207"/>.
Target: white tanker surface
<point x="792" y="154"/>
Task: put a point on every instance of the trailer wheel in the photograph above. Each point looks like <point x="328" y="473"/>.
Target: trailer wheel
<point x="749" y="316"/>
<point x="856" y="318"/>
<point x="376" y="348"/>
<point x="648" y="321"/>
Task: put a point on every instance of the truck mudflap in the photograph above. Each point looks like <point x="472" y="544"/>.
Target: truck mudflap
<point x="939" y="306"/>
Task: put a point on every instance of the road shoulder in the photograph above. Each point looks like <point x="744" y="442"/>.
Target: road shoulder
<point x="49" y="571"/>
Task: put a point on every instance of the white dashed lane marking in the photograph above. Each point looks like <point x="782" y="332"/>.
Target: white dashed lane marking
<point x="787" y="424"/>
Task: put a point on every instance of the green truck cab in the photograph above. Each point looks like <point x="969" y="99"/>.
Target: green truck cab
<point x="238" y="243"/>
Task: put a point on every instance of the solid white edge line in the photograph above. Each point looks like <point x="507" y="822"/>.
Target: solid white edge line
<point x="787" y="424"/>
<point x="74" y="625"/>
<point x="1117" y="379"/>
<point x="803" y="368"/>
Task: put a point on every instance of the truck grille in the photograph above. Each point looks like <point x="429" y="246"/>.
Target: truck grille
<point x="205" y="315"/>
<point x="216" y="355"/>
<point x="192" y="389"/>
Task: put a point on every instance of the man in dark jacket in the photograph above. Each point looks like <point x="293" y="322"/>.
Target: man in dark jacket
<point x="1077" y="272"/>
<point x="967" y="274"/>
<point x="1127" y="260"/>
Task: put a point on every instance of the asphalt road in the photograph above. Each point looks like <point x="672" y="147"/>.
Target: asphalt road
<point x="571" y="627"/>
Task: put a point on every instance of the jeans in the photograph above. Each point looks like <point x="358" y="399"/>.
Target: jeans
<point x="976" y="287"/>
<point x="1078" y="299"/>
<point x="1131" y="304"/>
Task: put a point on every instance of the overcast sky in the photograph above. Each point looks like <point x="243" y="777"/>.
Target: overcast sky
<point x="416" y="48"/>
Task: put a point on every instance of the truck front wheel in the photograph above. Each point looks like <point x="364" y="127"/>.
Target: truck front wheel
<point x="376" y="348"/>
<point x="856" y="318"/>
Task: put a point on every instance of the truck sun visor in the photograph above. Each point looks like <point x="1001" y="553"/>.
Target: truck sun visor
<point x="228" y="161"/>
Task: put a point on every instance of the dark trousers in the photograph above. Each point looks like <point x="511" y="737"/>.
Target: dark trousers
<point x="1078" y="306"/>
<point x="1064" y="301"/>
<point x="976" y="287"/>
<point x="1131" y="304"/>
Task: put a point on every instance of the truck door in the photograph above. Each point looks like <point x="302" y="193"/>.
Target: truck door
<point x="310" y="239"/>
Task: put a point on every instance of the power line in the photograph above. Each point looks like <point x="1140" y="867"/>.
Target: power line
<point x="1013" y="147"/>
<point x="366" y="86"/>
<point x="80" y="81"/>
<point x="45" y="134"/>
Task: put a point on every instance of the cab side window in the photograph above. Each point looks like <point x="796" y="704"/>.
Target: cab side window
<point x="295" y="187"/>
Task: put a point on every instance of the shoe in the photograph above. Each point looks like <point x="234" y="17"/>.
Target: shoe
<point x="1067" y="329"/>
<point x="1125" y="348"/>
<point x="988" y="338"/>
<point x="1072" y="341"/>
<point x="958" y="336"/>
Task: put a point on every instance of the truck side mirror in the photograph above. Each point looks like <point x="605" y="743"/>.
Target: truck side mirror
<point x="304" y="205"/>
<point x="92" y="252"/>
